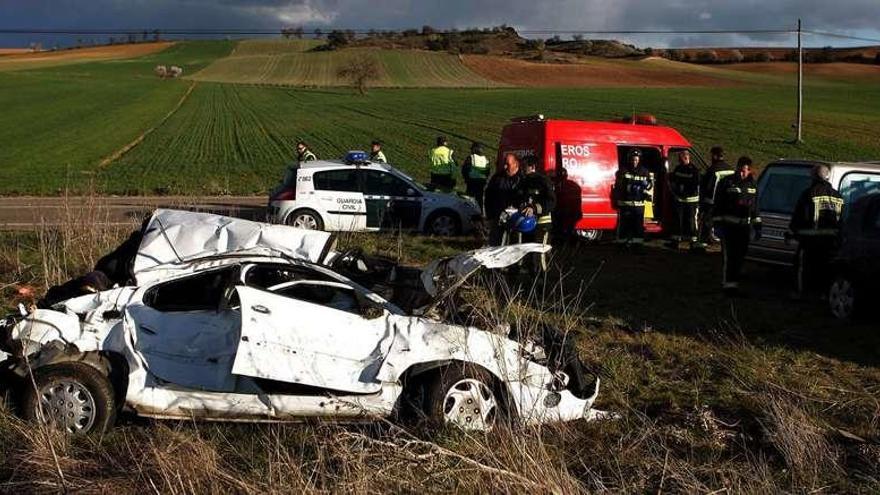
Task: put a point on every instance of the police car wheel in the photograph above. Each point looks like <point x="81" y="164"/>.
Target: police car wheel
<point x="842" y="298"/>
<point x="305" y="219"/>
<point x="443" y="224"/>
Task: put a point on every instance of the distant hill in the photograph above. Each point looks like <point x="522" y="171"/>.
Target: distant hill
<point x="301" y="63"/>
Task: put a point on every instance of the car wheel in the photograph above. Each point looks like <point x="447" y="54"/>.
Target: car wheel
<point x="842" y="298"/>
<point x="590" y="235"/>
<point x="73" y="397"/>
<point x="465" y="397"/>
<point x="305" y="219"/>
<point x="443" y="223"/>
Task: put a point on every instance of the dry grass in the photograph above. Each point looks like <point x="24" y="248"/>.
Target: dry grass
<point x="699" y="413"/>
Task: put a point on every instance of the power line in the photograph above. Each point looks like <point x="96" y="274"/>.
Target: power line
<point x="842" y="36"/>
<point x="312" y="32"/>
<point x="368" y="31"/>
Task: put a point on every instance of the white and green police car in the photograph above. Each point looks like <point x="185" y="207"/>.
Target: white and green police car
<point x="354" y="194"/>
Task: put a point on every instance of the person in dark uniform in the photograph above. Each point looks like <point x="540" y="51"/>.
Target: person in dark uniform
<point x="503" y="191"/>
<point x="538" y="200"/>
<point x="736" y="217"/>
<point x="684" y="183"/>
<point x="815" y="223"/>
<point x="718" y="170"/>
<point x="631" y="186"/>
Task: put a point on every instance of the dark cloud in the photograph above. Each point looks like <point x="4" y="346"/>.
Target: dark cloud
<point x="851" y="16"/>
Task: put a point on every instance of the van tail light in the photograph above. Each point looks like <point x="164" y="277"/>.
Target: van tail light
<point x="285" y="195"/>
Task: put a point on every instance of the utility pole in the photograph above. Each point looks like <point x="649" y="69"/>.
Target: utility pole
<point x="800" y="88"/>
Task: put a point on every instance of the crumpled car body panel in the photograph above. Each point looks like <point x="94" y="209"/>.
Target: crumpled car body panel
<point x="267" y="356"/>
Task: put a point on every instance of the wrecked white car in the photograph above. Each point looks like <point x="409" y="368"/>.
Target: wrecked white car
<point x="226" y="319"/>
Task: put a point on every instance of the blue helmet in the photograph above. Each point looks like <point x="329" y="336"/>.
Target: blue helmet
<point x="522" y="223"/>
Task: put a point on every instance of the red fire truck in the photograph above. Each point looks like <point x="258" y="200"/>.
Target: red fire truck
<point x="582" y="157"/>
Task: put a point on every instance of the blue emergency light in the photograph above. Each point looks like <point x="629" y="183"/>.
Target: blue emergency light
<point x="356" y="157"/>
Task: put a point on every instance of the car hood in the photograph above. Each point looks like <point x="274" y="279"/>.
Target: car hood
<point x="175" y="236"/>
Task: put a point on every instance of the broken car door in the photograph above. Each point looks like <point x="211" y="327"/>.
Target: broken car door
<point x="183" y="333"/>
<point x="312" y="332"/>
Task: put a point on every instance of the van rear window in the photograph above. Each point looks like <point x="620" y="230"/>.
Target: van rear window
<point x="780" y="186"/>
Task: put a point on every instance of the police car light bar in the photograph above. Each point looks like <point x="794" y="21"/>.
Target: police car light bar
<point x="356" y="158"/>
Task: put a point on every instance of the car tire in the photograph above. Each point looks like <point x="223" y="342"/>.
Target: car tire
<point x="466" y="397"/>
<point x="305" y="219"/>
<point x="75" y="397"/>
<point x="443" y="223"/>
<point x="842" y="300"/>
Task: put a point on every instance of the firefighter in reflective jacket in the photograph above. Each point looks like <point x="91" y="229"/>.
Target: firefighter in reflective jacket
<point x="815" y="223"/>
<point x="736" y="216"/>
<point x="538" y="200"/>
<point x="442" y="166"/>
<point x="475" y="171"/>
<point x="718" y="170"/>
<point x="631" y="188"/>
<point x="684" y="183"/>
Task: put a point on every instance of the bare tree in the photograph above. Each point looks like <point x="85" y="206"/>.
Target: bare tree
<point x="360" y="71"/>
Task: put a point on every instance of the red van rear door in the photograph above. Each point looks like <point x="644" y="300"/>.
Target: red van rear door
<point x="591" y="167"/>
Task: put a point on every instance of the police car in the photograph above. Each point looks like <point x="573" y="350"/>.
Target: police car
<point x="354" y="194"/>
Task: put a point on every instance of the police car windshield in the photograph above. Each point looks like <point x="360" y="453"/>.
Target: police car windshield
<point x="409" y="179"/>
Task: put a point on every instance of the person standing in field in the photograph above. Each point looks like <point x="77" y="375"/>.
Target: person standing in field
<point x="684" y="183"/>
<point x="502" y="192"/>
<point x="631" y="188"/>
<point x="815" y="224"/>
<point x="303" y="153"/>
<point x="376" y="154"/>
<point x="718" y="170"/>
<point x="475" y="171"/>
<point x="442" y="166"/>
<point x="736" y="217"/>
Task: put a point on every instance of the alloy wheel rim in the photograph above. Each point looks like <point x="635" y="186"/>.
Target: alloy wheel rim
<point x="68" y="405"/>
<point x="305" y="221"/>
<point x="470" y="405"/>
<point x="443" y="225"/>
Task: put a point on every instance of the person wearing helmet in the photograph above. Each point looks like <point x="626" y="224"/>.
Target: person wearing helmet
<point x="684" y="184"/>
<point x="502" y="192"/>
<point x="475" y="171"/>
<point x="632" y="186"/>
<point x="442" y="166"/>
<point x="303" y="153"/>
<point x="736" y="217"/>
<point x="376" y="154"/>
<point x="718" y="170"/>
<point x="815" y="223"/>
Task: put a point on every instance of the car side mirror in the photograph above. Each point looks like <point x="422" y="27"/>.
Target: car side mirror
<point x="410" y="192"/>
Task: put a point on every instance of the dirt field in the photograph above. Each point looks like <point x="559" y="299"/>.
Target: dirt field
<point x="595" y="72"/>
<point x="14" y="51"/>
<point x="836" y="70"/>
<point x="29" y="60"/>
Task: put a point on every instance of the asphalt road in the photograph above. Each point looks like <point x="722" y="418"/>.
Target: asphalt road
<point x="31" y="212"/>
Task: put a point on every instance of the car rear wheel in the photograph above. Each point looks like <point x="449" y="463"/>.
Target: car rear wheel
<point x="465" y="396"/>
<point x="590" y="235"/>
<point x="443" y="223"/>
<point x="73" y="397"/>
<point x="305" y="219"/>
<point x="842" y="298"/>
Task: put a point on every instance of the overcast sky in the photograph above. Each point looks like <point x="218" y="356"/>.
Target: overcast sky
<point x="854" y="17"/>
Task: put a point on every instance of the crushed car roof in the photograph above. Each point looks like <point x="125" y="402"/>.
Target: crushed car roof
<point x="175" y="236"/>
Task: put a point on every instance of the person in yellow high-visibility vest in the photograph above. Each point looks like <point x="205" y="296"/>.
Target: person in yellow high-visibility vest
<point x="475" y="171"/>
<point x="442" y="166"/>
